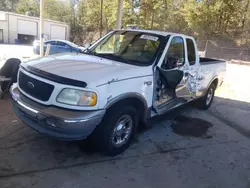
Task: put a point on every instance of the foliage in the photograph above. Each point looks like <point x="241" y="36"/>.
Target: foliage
<point x="8" y="5"/>
<point x="29" y="7"/>
<point x="203" y="18"/>
<point x="213" y="17"/>
<point x="54" y="10"/>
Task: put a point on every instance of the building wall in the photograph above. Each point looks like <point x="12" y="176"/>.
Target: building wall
<point x="10" y="26"/>
<point x="4" y="26"/>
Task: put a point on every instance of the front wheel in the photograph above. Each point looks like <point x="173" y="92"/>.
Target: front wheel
<point x="205" y="102"/>
<point x="115" y="133"/>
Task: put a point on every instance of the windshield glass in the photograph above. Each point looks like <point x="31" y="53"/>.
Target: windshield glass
<point x="131" y="47"/>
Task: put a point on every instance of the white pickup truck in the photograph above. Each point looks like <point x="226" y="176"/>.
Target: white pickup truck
<point x="118" y="83"/>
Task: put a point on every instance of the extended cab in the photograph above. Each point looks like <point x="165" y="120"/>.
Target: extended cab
<point x="118" y="83"/>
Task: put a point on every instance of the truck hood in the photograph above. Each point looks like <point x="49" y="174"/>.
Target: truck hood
<point x="87" y="68"/>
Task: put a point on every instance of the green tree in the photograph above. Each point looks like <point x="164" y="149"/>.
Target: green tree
<point x="205" y="18"/>
<point x="214" y="16"/>
<point x="53" y="9"/>
<point x="57" y="10"/>
<point x="8" y="5"/>
<point x="29" y="7"/>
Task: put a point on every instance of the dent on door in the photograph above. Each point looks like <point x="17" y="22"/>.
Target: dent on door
<point x="181" y="81"/>
<point x="186" y="88"/>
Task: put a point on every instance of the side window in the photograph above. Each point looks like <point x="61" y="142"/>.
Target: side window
<point x="175" y="56"/>
<point x="62" y="44"/>
<point x="190" y="51"/>
<point x="51" y="43"/>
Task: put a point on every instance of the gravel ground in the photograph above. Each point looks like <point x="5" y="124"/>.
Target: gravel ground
<point x="159" y="156"/>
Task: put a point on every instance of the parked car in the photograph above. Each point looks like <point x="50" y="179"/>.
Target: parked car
<point x="120" y="81"/>
<point x="57" y="46"/>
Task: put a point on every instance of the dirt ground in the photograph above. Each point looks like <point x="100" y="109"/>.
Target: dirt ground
<point x="162" y="156"/>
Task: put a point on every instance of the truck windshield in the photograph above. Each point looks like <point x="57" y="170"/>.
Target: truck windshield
<point x="132" y="47"/>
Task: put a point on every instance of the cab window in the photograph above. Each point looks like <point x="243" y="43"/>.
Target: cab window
<point x="175" y="56"/>
<point x="190" y="51"/>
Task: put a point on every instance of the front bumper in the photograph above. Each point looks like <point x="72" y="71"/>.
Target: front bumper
<point x="55" y="122"/>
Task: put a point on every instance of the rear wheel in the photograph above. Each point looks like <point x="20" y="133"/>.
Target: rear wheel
<point x="115" y="133"/>
<point x="206" y="101"/>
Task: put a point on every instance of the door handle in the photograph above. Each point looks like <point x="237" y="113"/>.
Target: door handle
<point x="148" y="83"/>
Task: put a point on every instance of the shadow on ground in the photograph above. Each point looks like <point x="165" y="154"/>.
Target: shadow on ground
<point x="232" y="112"/>
<point x="24" y="151"/>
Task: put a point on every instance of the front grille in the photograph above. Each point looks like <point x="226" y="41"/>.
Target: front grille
<point x="35" y="88"/>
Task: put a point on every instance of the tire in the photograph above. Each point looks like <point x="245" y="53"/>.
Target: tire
<point x="205" y="102"/>
<point x="105" y="136"/>
<point x="9" y="70"/>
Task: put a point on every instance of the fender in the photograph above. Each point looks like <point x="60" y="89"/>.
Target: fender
<point x="131" y="95"/>
<point x="214" y="78"/>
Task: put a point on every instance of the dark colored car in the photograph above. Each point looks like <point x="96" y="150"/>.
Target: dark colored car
<point x="57" y="46"/>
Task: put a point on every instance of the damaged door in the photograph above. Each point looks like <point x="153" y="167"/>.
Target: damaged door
<point x="192" y="61"/>
<point x="174" y="76"/>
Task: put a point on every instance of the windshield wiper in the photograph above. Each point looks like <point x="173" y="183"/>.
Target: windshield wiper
<point x="131" y="62"/>
<point x="115" y="57"/>
<point x="110" y="56"/>
<point x="90" y="52"/>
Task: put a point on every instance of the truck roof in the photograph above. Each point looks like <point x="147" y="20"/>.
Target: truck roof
<point x="163" y="33"/>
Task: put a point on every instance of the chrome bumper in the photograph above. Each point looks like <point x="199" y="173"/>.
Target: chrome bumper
<point x="55" y="122"/>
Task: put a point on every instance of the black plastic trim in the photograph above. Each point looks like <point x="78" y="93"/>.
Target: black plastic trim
<point x="53" y="77"/>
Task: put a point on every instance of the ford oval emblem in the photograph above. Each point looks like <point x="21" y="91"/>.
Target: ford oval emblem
<point x="31" y="85"/>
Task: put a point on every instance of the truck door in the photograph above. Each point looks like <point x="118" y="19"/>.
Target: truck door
<point x="176" y="70"/>
<point x="192" y="61"/>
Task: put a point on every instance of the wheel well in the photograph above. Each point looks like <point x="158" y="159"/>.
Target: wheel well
<point x="135" y="102"/>
<point x="215" y="82"/>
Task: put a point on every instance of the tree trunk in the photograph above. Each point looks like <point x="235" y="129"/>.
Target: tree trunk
<point x="220" y="20"/>
<point x="101" y="6"/>
<point x="12" y="6"/>
<point x="152" y="21"/>
<point x="244" y="16"/>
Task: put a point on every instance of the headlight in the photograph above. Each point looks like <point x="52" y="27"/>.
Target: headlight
<point x="77" y="97"/>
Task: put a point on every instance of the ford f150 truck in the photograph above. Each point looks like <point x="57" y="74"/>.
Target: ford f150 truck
<point x="118" y="83"/>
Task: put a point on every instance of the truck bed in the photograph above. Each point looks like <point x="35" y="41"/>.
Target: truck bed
<point x="209" y="70"/>
<point x="205" y="61"/>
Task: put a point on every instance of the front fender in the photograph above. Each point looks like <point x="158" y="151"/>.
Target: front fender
<point x="127" y="96"/>
<point x="135" y="99"/>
